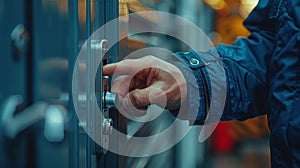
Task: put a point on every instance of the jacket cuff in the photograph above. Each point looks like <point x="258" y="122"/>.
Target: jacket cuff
<point x="198" y="104"/>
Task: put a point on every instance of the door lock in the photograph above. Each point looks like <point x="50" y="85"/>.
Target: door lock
<point x="110" y="99"/>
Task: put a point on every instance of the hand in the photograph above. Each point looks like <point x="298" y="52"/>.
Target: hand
<point x="147" y="80"/>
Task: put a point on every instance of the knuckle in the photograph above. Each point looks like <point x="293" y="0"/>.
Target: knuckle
<point x="136" y="98"/>
<point x="150" y="58"/>
<point x="118" y="79"/>
<point x="125" y="62"/>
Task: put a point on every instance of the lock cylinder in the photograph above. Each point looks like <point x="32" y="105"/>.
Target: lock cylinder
<point x="111" y="99"/>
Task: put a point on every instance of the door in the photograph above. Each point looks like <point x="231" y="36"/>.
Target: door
<point x="39" y="47"/>
<point x="61" y="30"/>
<point x="15" y="90"/>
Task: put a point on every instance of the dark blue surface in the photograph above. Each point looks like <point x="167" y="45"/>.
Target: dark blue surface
<point x="263" y="76"/>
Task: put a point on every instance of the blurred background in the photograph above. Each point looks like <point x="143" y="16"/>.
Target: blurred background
<point x="39" y="43"/>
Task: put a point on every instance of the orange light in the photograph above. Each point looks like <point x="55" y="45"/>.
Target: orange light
<point x="247" y="6"/>
<point x="216" y="4"/>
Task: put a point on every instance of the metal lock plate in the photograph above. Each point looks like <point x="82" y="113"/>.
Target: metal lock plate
<point x="108" y="101"/>
<point x="105" y="99"/>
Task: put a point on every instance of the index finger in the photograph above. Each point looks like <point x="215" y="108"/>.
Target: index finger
<point x="126" y="67"/>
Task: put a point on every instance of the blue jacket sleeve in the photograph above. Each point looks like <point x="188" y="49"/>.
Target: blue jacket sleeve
<point x="245" y="65"/>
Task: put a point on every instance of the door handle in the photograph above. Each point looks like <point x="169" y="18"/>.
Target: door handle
<point x="13" y="124"/>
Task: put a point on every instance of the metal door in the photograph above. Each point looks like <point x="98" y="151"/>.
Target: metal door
<point x="61" y="28"/>
<point x="41" y="41"/>
<point x="15" y="85"/>
<point x="84" y="152"/>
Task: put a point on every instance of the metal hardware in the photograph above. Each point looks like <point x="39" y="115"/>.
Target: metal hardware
<point x="107" y="126"/>
<point x="54" y="123"/>
<point x="194" y="61"/>
<point x="110" y="100"/>
<point x="20" y="38"/>
<point x="13" y="124"/>
<point x="106" y="100"/>
<point x="106" y="121"/>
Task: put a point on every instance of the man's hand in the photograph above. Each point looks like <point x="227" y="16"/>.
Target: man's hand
<point x="147" y="80"/>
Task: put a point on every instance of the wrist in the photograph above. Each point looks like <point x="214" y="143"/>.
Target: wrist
<point x="199" y="92"/>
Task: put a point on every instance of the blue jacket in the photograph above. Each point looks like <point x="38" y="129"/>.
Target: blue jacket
<point x="263" y="76"/>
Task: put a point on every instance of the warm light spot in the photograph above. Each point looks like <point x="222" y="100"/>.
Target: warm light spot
<point x="247" y="6"/>
<point x="216" y="4"/>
